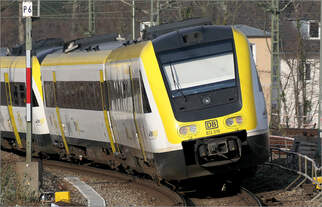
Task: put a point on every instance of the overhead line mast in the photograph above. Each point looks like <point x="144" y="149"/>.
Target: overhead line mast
<point x="275" y="67"/>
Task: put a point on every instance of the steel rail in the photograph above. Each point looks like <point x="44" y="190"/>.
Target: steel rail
<point x="258" y="201"/>
<point x="177" y="198"/>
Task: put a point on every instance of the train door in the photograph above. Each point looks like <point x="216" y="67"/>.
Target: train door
<point x="138" y="109"/>
<point x="125" y="106"/>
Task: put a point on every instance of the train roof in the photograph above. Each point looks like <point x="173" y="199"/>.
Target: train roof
<point x="15" y="62"/>
<point x="98" y="57"/>
<point x="190" y="36"/>
<point x="94" y="43"/>
<point x="151" y="33"/>
<point x="40" y="48"/>
<point x="127" y="52"/>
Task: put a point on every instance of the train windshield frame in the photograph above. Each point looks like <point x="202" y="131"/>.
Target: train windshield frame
<point x="191" y="71"/>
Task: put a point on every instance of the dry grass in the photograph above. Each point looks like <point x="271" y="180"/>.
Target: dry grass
<point x="12" y="192"/>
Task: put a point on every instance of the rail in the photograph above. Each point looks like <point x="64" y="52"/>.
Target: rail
<point x="258" y="201"/>
<point x="301" y="164"/>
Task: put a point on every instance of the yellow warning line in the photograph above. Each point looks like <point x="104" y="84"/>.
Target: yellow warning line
<point x="107" y="124"/>
<point x="58" y="115"/>
<point x="135" y="121"/>
<point x="12" y="117"/>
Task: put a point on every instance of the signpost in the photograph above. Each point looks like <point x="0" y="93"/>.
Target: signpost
<point x="28" y="172"/>
<point x="27" y="13"/>
<point x="320" y="96"/>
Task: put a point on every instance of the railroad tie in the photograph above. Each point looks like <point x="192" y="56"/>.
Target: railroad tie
<point x="93" y="198"/>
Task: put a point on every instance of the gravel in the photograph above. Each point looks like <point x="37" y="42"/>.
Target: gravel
<point x="268" y="184"/>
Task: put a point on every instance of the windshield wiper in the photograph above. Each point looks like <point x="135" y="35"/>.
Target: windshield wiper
<point x="176" y="82"/>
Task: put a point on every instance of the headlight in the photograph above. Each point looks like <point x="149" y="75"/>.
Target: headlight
<point x="237" y="120"/>
<point x="184" y="130"/>
<point x="229" y="122"/>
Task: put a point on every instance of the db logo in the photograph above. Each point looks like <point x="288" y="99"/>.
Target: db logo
<point x="213" y="124"/>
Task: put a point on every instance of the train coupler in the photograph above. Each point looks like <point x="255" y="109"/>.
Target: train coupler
<point x="217" y="151"/>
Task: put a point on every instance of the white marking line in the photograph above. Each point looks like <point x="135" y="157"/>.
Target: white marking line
<point x="93" y="198"/>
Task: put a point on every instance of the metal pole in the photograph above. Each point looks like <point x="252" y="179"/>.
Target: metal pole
<point x="133" y="19"/>
<point x="320" y="93"/>
<point x="38" y="10"/>
<point x="29" y="87"/>
<point x="158" y="12"/>
<point x="275" y="68"/>
<point x="151" y="12"/>
<point x="0" y="105"/>
<point x="91" y="17"/>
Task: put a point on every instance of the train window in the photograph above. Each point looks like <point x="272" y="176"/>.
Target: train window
<point x="74" y="94"/>
<point x="146" y="104"/>
<point x="3" y="96"/>
<point x="218" y="71"/>
<point x="18" y="94"/>
<point x="105" y="95"/>
<point x="14" y="94"/>
<point x="34" y="100"/>
<point x="81" y="93"/>
<point x="49" y="94"/>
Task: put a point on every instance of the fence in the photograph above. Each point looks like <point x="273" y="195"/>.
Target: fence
<point x="306" y="168"/>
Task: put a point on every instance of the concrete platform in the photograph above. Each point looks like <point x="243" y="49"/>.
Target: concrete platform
<point x="93" y="198"/>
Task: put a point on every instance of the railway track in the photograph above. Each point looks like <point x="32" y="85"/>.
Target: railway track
<point x="241" y="198"/>
<point x="167" y="196"/>
<point x="100" y="179"/>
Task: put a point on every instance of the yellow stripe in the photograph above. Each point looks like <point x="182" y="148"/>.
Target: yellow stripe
<point x="36" y="76"/>
<point x="58" y="116"/>
<point x="245" y="76"/>
<point x="12" y="117"/>
<point x="107" y="124"/>
<point x="134" y="117"/>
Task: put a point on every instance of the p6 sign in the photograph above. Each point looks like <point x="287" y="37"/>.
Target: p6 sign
<point x="27" y="9"/>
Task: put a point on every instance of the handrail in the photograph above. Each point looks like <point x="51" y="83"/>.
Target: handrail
<point x="298" y="163"/>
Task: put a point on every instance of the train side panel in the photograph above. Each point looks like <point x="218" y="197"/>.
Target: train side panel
<point x="13" y="109"/>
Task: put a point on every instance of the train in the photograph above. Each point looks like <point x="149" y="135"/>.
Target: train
<point x="184" y="104"/>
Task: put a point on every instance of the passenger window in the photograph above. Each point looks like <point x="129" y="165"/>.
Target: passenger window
<point x="3" y="96"/>
<point x="146" y="104"/>
<point x="34" y="100"/>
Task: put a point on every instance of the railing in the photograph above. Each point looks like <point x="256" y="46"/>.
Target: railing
<point x="281" y="142"/>
<point x="304" y="166"/>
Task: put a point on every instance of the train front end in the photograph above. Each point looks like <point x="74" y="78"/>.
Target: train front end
<point x="210" y="102"/>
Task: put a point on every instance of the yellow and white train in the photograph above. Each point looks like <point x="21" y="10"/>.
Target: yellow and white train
<point x="185" y="104"/>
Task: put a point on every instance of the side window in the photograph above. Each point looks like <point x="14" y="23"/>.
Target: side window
<point x="3" y="96"/>
<point x="49" y="94"/>
<point x="34" y="100"/>
<point x="104" y="95"/>
<point x="74" y="94"/>
<point x="146" y="104"/>
<point x="18" y="94"/>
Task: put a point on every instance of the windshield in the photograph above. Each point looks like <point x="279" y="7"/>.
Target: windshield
<point x="200" y="74"/>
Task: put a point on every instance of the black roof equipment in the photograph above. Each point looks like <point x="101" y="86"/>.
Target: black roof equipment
<point x="151" y="33"/>
<point x="95" y="43"/>
<point x="40" y="48"/>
